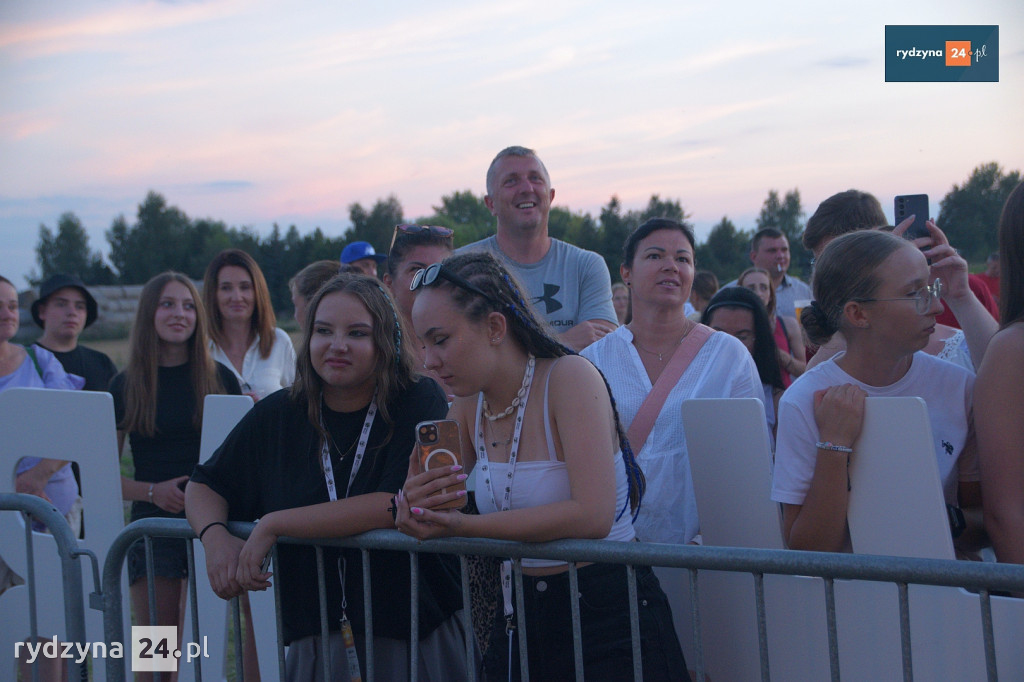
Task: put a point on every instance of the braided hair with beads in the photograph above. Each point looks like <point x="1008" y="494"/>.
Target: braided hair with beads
<point x="505" y="295"/>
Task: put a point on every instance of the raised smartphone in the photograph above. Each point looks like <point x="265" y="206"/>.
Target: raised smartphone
<point x="440" y="445"/>
<point x="906" y="205"/>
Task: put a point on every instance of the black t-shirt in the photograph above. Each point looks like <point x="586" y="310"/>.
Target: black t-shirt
<point x="271" y="461"/>
<point x="95" y="367"/>
<point x="174" y="449"/>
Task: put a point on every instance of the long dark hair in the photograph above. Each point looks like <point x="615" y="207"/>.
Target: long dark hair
<point x="765" y="351"/>
<point x="1011" y="258"/>
<point x="393" y="367"/>
<point x="504" y="296"/>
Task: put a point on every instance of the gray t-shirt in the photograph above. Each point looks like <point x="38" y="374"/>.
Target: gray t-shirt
<point x="568" y="285"/>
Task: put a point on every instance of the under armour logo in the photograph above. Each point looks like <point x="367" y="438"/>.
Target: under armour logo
<point x="948" y="447"/>
<point x="550" y="304"/>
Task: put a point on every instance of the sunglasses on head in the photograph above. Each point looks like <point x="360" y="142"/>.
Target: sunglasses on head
<point x="413" y="228"/>
<point x="428" y="276"/>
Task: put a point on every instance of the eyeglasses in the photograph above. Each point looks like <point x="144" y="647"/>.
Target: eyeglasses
<point x="922" y="298"/>
<point x="412" y="228"/>
<point x="427" y="276"/>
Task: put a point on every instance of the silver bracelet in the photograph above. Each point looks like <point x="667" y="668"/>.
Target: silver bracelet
<point x="828" y="445"/>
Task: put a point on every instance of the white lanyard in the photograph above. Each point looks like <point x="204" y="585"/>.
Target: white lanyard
<point x="325" y="453"/>
<point x="332" y="492"/>
<point x="506" y="502"/>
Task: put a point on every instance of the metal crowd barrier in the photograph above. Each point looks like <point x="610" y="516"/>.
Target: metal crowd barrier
<point x="69" y="555"/>
<point x="982" y="578"/>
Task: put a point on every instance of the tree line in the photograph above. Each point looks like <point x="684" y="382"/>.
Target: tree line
<point x="162" y="237"/>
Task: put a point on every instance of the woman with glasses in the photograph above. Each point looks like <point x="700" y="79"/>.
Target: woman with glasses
<point x="413" y="248"/>
<point x="243" y="332"/>
<point x="542" y="438"/>
<point x="999" y="408"/>
<point x="879" y="291"/>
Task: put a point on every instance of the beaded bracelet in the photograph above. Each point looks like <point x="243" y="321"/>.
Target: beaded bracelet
<point x="828" y="445"/>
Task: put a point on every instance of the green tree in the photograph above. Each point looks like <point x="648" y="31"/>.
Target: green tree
<point x="969" y="214"/>
<point x="614" y="228"/>
<point x="376" y="225"/>
<point x="158" y="241"/>
<point x="68" y="252"/>
<point x="783" y="214"/>
<point x="465" y="213"/>
<point x="725" y="252"/>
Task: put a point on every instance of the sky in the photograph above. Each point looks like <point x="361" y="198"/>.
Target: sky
<point x="260" y="112"/>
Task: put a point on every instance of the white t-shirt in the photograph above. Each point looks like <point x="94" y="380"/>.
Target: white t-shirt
<point x="259" y="375"/>
<point x="721" y="369"/>
<point x="946" y="389"/>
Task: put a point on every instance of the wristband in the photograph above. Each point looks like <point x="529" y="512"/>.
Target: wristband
<point x="394" y="508"/>
<point x="149" y="492"/>
<point x="209" y="526"/>
<point x="827" y="445"/>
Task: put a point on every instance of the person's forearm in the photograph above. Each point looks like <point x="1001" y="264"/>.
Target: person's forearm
<point x="203" y="506"/>
<point x="132" y="490"/>
<point x="821" y="522"/>
<point x="555" y="521"/>
<point x="340" y="518"/>
<point x="976" y="322"/>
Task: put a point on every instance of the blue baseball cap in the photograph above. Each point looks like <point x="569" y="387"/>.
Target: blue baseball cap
<point x="360" y="250"/>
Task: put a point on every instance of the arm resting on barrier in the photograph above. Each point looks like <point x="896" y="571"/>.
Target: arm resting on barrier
<point x="202" y="507"/>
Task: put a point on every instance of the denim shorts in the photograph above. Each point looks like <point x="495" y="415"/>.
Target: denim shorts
<point x="604" y="625"/>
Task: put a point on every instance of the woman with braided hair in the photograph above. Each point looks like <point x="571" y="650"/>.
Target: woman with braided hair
<point x="542" y="438"/>
<point x="324" y="460"/>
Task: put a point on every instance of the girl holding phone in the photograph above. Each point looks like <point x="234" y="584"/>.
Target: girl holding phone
<point x="541" y="435"/>
<point x="322" y="460"/>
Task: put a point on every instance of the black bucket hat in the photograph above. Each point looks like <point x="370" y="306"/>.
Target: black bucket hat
<point x="58" y="282"/>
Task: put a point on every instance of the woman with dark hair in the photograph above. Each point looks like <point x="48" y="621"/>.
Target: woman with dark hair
<point x="658" y="268"/>
<point x="243" y="332"/>
<point x="158" y="403"/>
<point x="880" y="292"/>
<point x="325" y="459"/>
<point x="541" y="435"/>
<point x="739" y="311"/>
<point x="306" y="282"/>
<point x="789" y="342"/>
<point x="998" y="403"/>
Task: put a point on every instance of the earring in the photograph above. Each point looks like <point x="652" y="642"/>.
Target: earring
<point x="495" y="340"/>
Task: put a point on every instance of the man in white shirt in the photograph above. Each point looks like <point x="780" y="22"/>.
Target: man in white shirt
<point x="570" y="286"/>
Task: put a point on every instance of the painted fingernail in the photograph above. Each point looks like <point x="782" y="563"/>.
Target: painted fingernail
<point x="417" y="511"/>
<point x="457" y="467"/>
<point x="462" y="477"/>
<point x="461" y="493"/>
<point x="401" y="495"/>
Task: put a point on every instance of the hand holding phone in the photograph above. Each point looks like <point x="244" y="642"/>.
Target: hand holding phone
<point x="906" y="205"/>
<point x="440" y="446"/>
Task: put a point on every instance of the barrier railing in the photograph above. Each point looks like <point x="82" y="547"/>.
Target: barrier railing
<point x="69" y="554"/>
<point x="981" y="578"/>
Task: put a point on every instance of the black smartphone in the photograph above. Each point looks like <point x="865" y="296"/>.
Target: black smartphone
<point x="906" y="205"/>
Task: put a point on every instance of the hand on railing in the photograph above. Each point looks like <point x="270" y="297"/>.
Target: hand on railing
<point x="222" y="550"/>
<point x="250" y="574"/>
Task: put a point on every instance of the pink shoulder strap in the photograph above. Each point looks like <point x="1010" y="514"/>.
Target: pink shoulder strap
<point x="669" y="377"/>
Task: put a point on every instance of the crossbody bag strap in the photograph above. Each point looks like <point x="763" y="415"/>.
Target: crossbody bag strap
<point x="669" y="377"/>
<point x="35" y="361"/>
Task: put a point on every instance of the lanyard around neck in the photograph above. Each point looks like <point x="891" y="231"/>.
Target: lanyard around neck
<point x="481" y="447"/>
<point x="325" y="452"/>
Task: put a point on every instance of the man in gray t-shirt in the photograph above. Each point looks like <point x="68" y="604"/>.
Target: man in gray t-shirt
<point x="569" y="286"/>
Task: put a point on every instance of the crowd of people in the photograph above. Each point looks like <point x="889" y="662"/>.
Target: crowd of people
<point x="566" y="392"/>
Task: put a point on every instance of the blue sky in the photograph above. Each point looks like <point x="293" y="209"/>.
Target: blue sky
<point x="260" y="112"/>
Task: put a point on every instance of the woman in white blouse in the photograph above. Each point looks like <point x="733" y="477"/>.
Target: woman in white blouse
<point x="243" y="332"/>
<point x="658" y="268"/>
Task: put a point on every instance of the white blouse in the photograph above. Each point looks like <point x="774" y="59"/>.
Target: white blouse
<point x="723" y="368"/>
<point x="263" y="376"/>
